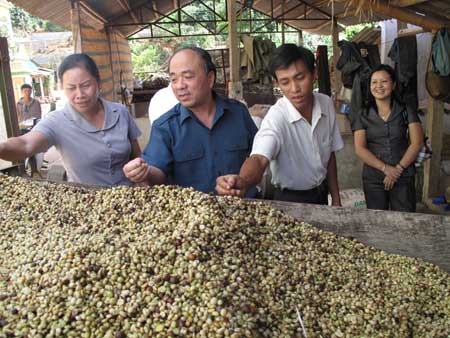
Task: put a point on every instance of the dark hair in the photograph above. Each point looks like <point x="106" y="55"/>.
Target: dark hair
<point x="287" y="54"/>
<point x="204" y="55"/>
<point x="371" y="103"/>
<point x="25" y="85"/>
<point x="80" y="60"/>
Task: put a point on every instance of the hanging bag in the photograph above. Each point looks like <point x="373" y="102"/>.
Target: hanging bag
<point x="438" y="86"/>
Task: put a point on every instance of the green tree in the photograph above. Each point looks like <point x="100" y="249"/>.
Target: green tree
<point x="146" y="57"/>
<point x="23" y="21"/>
<point x="351" y="31"/>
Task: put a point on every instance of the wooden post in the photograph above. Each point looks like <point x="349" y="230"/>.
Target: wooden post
<point x="235" y="85"/>
<point x="76" y="25"/>
<point x="7" y="91"/>
<point x="110" y="51"/>
<point x="300" y="38"/>
<point x="41" y="86"/>
<point x="336" y="53"/>
<point x="224" y="68"/>
<point x="434" y="130"/>
<point x="282" y="22"/>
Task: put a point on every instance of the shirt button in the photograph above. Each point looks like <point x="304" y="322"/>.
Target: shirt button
<point x="108" y="145"/>
<point x="103" y="133"/>
<point x="112" y="172"/>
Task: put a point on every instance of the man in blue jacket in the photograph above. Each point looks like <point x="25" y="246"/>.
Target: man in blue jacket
<point x="201" y="138"/>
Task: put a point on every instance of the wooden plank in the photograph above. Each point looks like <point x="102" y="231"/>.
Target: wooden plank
<point x="409" y="234"/>
<point x="406" y="3"/>
<point x="434" y="130"/>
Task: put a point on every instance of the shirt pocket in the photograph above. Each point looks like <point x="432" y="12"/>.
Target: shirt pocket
<point x="325" y="143"/>
<point x="325" y="149"/>
<point x="189" y="166"/>
<point x="236" y="152"/>
<point x="185" y="155"/>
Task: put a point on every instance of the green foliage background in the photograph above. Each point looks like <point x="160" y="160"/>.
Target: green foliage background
<point x="23" y="22"/>
<point x="149" y="57"/>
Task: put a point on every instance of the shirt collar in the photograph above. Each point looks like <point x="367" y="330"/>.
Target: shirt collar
<point x="221" y="106"/>
<point x="293" y="115"/>
<point x="397" y="108"/>
<point x="111" y="117"/>
<point x="22" y="102"/>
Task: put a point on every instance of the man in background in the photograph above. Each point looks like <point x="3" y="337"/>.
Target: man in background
<point x="202" y="137"/>
<point x="27" y="107"/>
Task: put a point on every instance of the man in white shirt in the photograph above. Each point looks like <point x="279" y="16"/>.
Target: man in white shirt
<point x="297" y="138"/>
<point x="163" y="101"/>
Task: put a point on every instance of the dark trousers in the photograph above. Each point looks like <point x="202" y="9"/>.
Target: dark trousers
<point x="317" y="195"/>
<point x="402" y="197"/>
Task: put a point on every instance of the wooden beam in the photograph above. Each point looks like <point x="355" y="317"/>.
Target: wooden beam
<point x="308" y="12"/>
<point x="380" y="6"/>
<point x="410" y="31"/>
<point x="432" y="167"/>
<point x="92" y="13"/>
<point x="126" y="6"/>
<point x="136" y="6"/>
<point x="319" y="27"/>
<point x="155" y="10"/>
<point x="346" y="13"/>
<point x="406" y="3"/>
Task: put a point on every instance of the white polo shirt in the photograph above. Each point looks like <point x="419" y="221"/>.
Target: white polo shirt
<point x="163" y="101"/>
<point x="298" y="152"/>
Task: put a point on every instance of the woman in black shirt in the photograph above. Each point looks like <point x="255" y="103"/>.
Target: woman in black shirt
<point x="387" y="138"/>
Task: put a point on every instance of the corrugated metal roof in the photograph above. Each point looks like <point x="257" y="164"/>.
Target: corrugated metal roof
<point x="312" y="16"/>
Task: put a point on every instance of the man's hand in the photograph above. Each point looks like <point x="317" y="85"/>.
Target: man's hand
<point x="136" y="170"/>
<point x="389" y="183"/>
<point x="392" y="172"/>
<point x="233" y="185"/>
